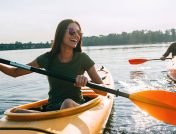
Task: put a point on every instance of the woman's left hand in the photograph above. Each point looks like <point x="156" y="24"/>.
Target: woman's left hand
<point x="81" y="81"/>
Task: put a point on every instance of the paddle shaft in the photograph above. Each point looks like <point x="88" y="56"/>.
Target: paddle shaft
<point x="62" y="77"/>
<point x="157" y="59"/>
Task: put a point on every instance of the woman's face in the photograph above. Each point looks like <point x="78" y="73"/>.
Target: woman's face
<point x="72" y="35"/>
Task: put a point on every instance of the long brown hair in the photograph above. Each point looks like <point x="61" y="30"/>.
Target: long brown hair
<point x="59" y="36"/>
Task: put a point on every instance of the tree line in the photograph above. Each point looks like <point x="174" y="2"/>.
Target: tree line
<point x="19" y="45"/>
<point x="134" y="37"/>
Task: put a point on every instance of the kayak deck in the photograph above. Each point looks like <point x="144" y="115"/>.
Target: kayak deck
<point x="88" y="118"/>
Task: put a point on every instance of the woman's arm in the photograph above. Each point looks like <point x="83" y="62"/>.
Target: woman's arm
<point x="15" y="72"/>
<point x="96" y="79"/>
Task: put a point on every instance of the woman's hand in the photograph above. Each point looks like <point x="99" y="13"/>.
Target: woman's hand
<point x="81" y="81"/>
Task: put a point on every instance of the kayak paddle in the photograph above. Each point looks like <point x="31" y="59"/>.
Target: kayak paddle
<point x="158" y="103"/>
<point x="140" y="61"/>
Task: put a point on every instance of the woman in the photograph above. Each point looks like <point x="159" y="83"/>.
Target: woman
<point x="66" y="57"/>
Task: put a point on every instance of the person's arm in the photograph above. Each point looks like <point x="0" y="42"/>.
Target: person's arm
<point x="96" y="79"/>
<point x="168" y="51"/>
<point x="15" y="72"/>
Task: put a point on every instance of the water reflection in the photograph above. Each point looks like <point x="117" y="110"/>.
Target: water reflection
<point x="136" y="74"/>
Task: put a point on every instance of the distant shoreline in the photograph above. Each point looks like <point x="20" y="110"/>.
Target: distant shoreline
<point x="20" y="46"/>
<point x="7" y="47"/>
<point x="135" y="37"/>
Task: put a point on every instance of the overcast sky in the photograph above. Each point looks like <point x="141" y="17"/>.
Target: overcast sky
<point x="36" y="20"/>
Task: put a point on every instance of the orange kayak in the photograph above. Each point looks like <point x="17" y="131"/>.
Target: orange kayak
<point x="88" y="118"/>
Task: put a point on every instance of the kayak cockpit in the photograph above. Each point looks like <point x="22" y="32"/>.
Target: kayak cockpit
<point x="92" y="97"/>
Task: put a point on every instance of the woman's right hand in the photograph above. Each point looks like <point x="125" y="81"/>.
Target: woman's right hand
<point x="81" y="81"/>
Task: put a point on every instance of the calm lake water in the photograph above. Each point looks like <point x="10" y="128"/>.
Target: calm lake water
<point x="126" y="117"/>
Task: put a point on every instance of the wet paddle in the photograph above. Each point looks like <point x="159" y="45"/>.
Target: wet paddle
<point x="158" y="103"/>
<point x="140" y="61"/>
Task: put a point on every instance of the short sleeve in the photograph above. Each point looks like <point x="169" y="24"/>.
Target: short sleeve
<point x="87" y="61"/>
<point x="43" y="60"/>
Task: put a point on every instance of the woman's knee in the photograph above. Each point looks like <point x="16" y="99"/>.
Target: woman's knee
<point x="68" y="103"/>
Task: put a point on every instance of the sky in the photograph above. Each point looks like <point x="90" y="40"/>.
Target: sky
<point x="37" y="20"/>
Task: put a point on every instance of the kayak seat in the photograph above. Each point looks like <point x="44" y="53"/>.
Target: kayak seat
<point x="38" y="108"/>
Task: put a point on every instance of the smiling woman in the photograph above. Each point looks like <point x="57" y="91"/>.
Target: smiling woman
<point x="66" y="58"/>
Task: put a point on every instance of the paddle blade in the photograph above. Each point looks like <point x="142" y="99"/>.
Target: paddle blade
<point x="158" y="103"/>
<point x="137" y="61"/>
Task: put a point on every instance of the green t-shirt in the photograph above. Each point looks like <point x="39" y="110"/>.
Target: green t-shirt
<point x="60" y="89"/>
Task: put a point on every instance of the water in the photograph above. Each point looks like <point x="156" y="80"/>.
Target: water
<point x="125" y="117"/>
